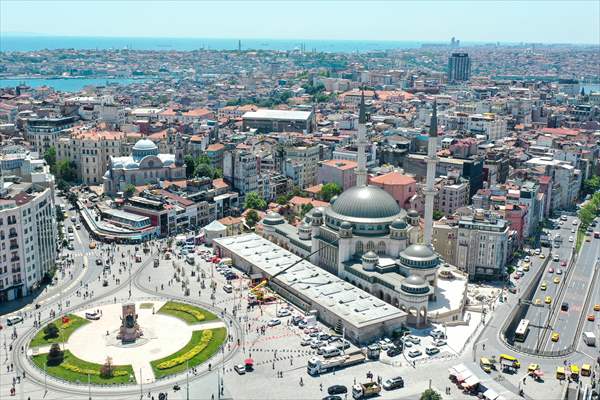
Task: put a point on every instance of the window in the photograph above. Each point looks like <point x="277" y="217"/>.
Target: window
<point x="358" y="249"/>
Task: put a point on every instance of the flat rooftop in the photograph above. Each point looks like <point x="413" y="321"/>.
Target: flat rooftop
<point x="125" y="215"/>
<point x="339" y="297"/>
<point x="278" y="114"/>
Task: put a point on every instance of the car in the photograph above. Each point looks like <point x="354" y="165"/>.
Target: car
<point x="284" y="312"/>
<point x="92" y="245"/>
<point x="240" y="369"/>
<point x="337" y="389"/>
<point x="537" y="302"/>
<point x="564" y="306"/>
<point x="73" y="218"/>
<point x="532" y="367"/>
<point x="544" y="286"/>
<point x="542" y="256"/>
<point x="314" y="335"/>
<point x="431" y="350"/>
<point x="78" y="226"/>
<point x="393" y="383"/>
<point x="573" y="230"/>
<point x="316" y="344"/>
<point x="413" y="339"/>
<point x="555" y="258"/>
<point x="98" y="261"/>
<point x="324" y="336"/>
<point x="550" y="270"/>
<point x="563" y="263"/>
<point x="527" y="258"/>
<point x="393" y="352"/>
<point x="332" y="397"/>
<point x="555" y="336"/>
<point x="14" y="320"/>
<point x="575" y="222"/>
<point x="512" y="290"/>
<point x="591" y="317"/>
<point x="556" y="280"/>
<point x="558" y="271"/>
<point x="537" y="251"/>
<point x="274" y="322"/>
<point x="407" y="344"/>
<point x="570" y="238"/>
<point x="548" y="300"/>
<point x="306" y="341"/>
<point x="526" y="267"/>
<point x="415" y="353"/>
<point x="70" y="246"/>
<point x="596" y="307"/>
<point x="517" y="276"/>
<point x="563" y="217"/>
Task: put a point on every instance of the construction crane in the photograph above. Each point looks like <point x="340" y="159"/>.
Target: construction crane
<point x="258" y="292"/>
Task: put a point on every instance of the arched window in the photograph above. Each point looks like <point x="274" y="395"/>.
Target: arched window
<point x="358" y="249"/>
<point x="381" y="248"/>
<point x="370" y="245"/>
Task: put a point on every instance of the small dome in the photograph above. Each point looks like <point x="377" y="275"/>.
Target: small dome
<point x="413" y="213"/>
<point x="145" y="144"/>
<point x="345" y="225"/>
<point x="273" y="218"/>
<point x="370" y="255"/>
<point x="414" y="280"/>
<point x="317" y="213"/>
<point x="418" y="252"/>
<point x="399" y="224"/>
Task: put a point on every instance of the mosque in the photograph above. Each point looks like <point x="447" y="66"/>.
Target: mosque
<point x="365" y="238"/>
<point x="144" y="166"/>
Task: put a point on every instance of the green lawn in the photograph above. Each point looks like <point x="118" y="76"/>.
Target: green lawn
<point x="40" y="338"/>
<point x="188" y="317"/>
<point x="60" y="372"/>
<point x="146" y="305"/>
<point x="580" y="238"/>
<point x="219" y="336"/>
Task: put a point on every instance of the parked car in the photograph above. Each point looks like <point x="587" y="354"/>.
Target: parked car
<point x="431" y="350"/>
<point x="413" y="339"/>
<point x="283" y="312"/>
<point x="337" y="389"/>
<point x="393" y="383"/>
<point x="240" y="369"/>
<point x="393" y="352"/>
<point x="439" y="342"/>
<point x="92" y="315"/>
<point x="415" y="353"/>
<point x="274" y="322"/>
<point x="306" y="341"/>
<point x="14" y="320"/>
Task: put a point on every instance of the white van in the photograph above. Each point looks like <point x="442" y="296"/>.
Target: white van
<point x="228" y="288"/>
<point x="190" y="259"/>
<point x="331" y="351"/>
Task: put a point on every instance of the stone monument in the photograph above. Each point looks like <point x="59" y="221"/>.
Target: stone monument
<point x="130" y="331"/>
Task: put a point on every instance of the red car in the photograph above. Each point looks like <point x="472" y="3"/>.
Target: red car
<point x="550" y="270"/>
<point x="516" y="276"/>
<point x="563" y="263"/>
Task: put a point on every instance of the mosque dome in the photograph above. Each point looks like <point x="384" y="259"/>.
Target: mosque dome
<point x="414" y="284"/>
<point x="366" y="202"/>
<point x="399" y="224"/>
<point x="345" y="225"/>
<point x="143" y="148"/>
<point x="273" y="218"/>
<point x="413" y="213"/>
<point x="317" y="213"/>
<point x="370" y="255"/>
<point x="419" y="256"/>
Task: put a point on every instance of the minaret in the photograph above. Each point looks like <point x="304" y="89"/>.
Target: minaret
<point x="429" y="190"/>
<point x="361" y="144"/>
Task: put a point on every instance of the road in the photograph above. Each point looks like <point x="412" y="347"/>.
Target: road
<point x="538" y="315"/>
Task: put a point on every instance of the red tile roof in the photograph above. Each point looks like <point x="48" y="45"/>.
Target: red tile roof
<point x="394" y="178"/>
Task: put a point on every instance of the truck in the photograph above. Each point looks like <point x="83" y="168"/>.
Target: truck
<point x="365" y="390"/>
<point x="319" y="365"/>
<point x="589" y="338"/>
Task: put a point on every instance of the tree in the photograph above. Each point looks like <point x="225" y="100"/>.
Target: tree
<point x="190" y="166"/>
<point x="66" y="170"/>
<point x="329" y="190"/>
<point x="437" y="215"/>
<point x="591" y="185"/>
<point x="282" y="199"/>
<point x="51" y="331"/>
<point x="305" y="208"/>
<point x="50" y="157"/>
<point x="430" y="394"/>
<point x="254" y="201"/>
<point x="252" y="218"/>
<point x="55" y="355"/>
<point x="60" y="216"/>
<point x="129" y="191"/>
<point x="203" y="170"/>
<point x="107" y="369"/>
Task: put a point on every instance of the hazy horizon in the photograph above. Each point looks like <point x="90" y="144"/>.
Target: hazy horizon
<point x="409" y="21"/>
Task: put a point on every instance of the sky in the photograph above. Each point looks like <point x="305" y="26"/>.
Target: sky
<point x="424" y="20"/>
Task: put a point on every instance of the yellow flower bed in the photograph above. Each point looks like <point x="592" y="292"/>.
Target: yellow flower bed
<point x="191" y="353"/>
<point x="86" y="371"/>
<point x="186" y="309"/>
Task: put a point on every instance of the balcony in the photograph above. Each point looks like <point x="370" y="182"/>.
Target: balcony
<point x="15" y="270"/>
<point x="12" y="235"/>
<point x="15" y="258"/>
<point x="14" y="246"/>
<point x="12" y="221"/>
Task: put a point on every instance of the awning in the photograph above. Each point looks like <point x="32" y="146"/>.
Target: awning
<point x="490" y="394"/>
<point x="463" y="376"/>
<point x="472" y="381"/>
<point x="249" y="361"/>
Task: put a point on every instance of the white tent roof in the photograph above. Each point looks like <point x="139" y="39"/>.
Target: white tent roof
<point x="215" y="226"/>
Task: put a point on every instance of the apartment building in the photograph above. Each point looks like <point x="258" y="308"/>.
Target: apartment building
<point x="43" y="133"/>
<point x="337" y="171"/>
<point x="302" y="162"/>
<point x="452" y="193"/>
<point x="91" y="151"/>
<point x="483" y="243"/>
<point x="240" y="170"/>
<point x="28" y="236"/>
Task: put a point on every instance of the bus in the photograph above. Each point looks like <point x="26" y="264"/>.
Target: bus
<point x="522" y="330"/>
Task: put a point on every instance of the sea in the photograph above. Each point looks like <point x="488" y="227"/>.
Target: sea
<point x="66" y="84"/>
<point x="32" y="43"/>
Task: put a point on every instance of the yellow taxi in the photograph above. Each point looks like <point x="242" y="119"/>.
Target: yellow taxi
<point x="537" y="302"/>
<point x="544" y="286"/>
<point x="596" y="307"/>
<point x="532" y="367"/>
<point x="542" y="256"/>
<point x="556" y="279"/>
<point x="591" y="317"/>
<point x="555" y="336"/>
<point x="547" y="299"/>
<point x="526" y="267"/>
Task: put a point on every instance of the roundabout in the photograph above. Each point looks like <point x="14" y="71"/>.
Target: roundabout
<point x="127" y="343"/>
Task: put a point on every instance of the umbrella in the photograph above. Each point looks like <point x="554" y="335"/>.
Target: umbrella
<point x="539" y="373"/>
<point x="248" y="361"/>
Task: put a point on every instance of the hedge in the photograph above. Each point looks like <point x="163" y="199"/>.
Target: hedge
<point x="194" y="351"/>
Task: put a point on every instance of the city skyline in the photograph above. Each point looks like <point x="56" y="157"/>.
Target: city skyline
<point x="470" y="22"/>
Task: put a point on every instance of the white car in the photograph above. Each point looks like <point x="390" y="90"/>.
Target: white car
<point x="575" y="222"/>
<point x="415" y="353"/>
<point x="92" y="315"/>
<point x="413" y="339"/>
<point x="284" y="312"/>
<point x="439" y="342"/>
<point x="431" y="350"/>
<point x="558" y="271"/>
<point x="570" y="238"/>
<point x="274" y="322"/>
<point x="527" y="258"/>
<point x="573" y="230"/>
<point x="240" y="369"/>
<point x="306" y="341"/>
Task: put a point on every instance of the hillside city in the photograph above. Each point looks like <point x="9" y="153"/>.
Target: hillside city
<point x="298" y="224"/>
